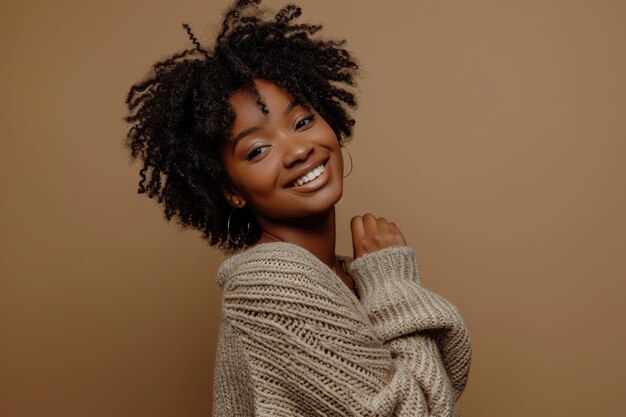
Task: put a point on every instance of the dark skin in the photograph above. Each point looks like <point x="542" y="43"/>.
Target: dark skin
<point x="288" y="167"/>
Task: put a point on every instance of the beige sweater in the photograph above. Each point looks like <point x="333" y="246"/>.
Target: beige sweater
<point x="295" y="341"/>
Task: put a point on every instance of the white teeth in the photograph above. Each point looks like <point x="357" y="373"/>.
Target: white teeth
<point x="316" y="172"/>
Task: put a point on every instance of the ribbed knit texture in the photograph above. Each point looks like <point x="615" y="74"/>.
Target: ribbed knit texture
<point x="295" y="341"/>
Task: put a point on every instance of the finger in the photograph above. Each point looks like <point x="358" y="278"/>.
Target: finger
<point x="358" y="232"/>
<point x="383" y="224"/>
<point x="357" y="228"/>
<point x="399" y="237"/>
<point x="369" y="224"/>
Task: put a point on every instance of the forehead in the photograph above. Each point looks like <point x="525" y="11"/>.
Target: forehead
<point x="244" y="102"/>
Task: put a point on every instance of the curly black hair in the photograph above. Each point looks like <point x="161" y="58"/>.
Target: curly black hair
<point x="180" y="114"/>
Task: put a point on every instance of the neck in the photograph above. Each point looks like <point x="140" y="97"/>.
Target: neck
<point x="314" y="233"/>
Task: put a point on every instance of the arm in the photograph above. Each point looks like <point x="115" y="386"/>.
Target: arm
<point x="421" y="328"/>
<point x="232" y="392"/>
<point x="386" y="276"/>
<point x="312" y="349"/>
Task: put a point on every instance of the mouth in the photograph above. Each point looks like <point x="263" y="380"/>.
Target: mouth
<point x="309" y="176"/>
<point x="312" y="179"/>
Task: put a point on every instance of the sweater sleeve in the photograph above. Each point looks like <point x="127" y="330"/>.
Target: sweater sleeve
<point x="422" y="329"/>
<point x="313" y="349"/>
<point x="232" y="392"/>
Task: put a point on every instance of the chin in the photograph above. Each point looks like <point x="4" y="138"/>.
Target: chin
<point x="312" y="206"/>
<point x="323" y="205"/>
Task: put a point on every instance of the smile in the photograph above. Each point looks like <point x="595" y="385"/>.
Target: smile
<point x="310" y="176"/>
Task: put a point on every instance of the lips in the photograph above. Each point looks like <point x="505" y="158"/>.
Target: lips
<point x="306" y="174"/>
<point x="310" y="176"/>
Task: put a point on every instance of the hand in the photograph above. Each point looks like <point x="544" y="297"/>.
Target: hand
<point x="370" y="234"/>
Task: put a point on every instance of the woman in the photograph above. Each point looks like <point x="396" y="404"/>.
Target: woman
<point x="244" y="143"/>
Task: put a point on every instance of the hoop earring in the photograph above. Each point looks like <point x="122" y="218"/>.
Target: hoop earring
<point x="239" y="241"/>
<point x="351" y="164"/>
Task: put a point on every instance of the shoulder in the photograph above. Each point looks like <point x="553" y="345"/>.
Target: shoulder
<point x="271" y="263"/>
<point x="280" y="280"/>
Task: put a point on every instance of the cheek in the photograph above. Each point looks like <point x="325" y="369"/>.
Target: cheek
<point x="259" y="183"/>
<point x="248" y="179"/>
<point x="325" y="136"/>
<point x="256" y="181"/>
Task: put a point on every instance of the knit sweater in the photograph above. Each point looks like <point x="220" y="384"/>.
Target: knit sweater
<point x="296" y="341"/>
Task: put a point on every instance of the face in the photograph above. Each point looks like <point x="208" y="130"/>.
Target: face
<point x="284" y="164"/>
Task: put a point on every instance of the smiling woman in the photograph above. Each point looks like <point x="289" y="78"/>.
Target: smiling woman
<point x="244" y="143"/>
<point x="285" y="163"/>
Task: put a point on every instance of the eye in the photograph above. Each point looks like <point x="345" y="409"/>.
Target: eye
<point x="305" y="121"/>
<point x="257" y="152"/>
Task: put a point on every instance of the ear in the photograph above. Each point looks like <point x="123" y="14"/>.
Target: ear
<point x="233" y="197"/>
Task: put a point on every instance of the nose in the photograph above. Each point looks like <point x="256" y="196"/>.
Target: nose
<point x="296" y="149"/>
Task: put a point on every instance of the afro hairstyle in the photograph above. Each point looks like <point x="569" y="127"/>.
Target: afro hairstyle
<point x="180" y="116"/>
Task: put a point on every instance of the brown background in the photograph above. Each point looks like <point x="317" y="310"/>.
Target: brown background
<point x="492" y="132"/>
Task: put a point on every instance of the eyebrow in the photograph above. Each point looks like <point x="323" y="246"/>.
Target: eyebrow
<point x="251" y="130"/>
<point x="291" y="105"/>
<point x="242" y="134"/>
